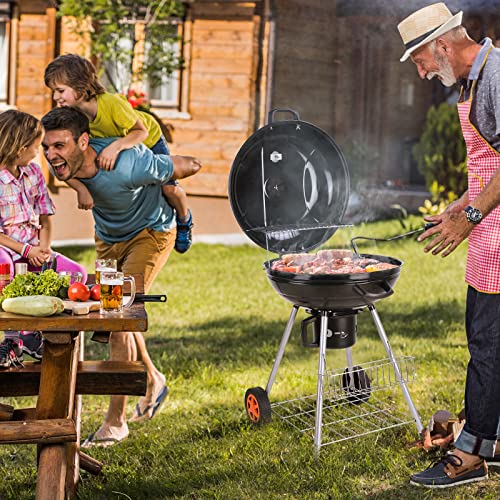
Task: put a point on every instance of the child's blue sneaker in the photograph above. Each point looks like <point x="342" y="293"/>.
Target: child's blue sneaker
<point x="183" y="240"/>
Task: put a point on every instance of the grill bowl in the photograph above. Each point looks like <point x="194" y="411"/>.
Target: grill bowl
<point x="337" y="292"/>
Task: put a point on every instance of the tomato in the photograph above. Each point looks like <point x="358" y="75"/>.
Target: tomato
<point x="95" y="292"/>
<point x="78" y="292"/>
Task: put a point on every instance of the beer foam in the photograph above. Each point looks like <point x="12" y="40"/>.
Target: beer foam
<point x="111" y="282"/>
<point x="106" y="269"/>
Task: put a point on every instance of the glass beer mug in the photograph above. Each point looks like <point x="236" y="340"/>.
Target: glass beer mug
<point x="112" y="291"/>
<point x="103" y="265"/>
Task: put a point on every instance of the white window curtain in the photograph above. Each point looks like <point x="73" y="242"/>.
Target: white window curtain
<point x="167" y="93"/>
<point x="118" y="72"/>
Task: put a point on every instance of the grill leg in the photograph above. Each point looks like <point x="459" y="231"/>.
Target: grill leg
<point x="281" y="349"/>
<point x="395" y="366"/>
<point x="321" y="380"/>
<point x="350" y="366"/>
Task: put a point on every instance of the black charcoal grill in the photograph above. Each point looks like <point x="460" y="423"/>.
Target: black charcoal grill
<point x="289" y="189"/>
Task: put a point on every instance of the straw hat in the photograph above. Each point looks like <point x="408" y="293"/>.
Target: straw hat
<point x="426" y="25"/>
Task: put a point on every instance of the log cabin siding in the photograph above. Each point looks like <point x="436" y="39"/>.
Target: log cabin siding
<point x="35" y="48"/>
<point x="221" y="103"/>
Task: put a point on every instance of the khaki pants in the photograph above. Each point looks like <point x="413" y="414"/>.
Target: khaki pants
<point x="144" y="254"/>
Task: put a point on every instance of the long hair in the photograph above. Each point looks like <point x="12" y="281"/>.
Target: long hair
<point x="17" y="130"/>
<point x="75" y="72"/>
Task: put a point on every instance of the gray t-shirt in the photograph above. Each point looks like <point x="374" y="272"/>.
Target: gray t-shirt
<point x="128" y="198"/>
<point x="485" y="111"/>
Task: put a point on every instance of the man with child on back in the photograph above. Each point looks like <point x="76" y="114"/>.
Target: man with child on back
<point x="134" y="224"/>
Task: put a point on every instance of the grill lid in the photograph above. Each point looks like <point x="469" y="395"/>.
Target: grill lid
<point x="289" y="186"/>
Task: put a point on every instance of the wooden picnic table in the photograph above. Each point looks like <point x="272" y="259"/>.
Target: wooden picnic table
<point x="58" y="381"/>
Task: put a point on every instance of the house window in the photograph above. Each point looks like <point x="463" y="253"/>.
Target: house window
<point x="166" y="94"/>
<point x="117" y="74"/>
<point x="4" y="61"/>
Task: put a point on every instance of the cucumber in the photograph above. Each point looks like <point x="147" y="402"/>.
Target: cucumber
<point x="33" y="305"/>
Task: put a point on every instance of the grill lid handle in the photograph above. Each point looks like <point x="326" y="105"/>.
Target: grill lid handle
<point x="273" y="112"/>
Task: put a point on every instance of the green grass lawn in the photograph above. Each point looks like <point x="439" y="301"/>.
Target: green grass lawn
<point x="218" y="335"/>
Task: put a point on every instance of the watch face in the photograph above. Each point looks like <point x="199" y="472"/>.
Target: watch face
<point x="473" y="215"/>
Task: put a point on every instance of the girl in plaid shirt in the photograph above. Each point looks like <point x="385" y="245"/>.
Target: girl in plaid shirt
<point x="25" y="210"/>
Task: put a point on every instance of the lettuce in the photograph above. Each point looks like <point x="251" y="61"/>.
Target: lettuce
<point x="45" y="283"/>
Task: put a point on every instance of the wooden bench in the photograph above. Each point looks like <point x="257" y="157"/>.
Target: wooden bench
<point x="93" y="377"/>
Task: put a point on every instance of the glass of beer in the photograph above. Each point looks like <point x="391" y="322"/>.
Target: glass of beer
<point x="73" y="276"/>
<point x="104" y="265"/>
<point x="112" y="291"/>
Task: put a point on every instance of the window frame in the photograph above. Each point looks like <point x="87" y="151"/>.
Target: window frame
<point x="5" y="69"/>
<point x="174" y="105"/>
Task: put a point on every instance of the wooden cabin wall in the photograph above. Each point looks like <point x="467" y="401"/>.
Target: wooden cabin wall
<point x="35" y="49"/>
<point x="220" y="105"/>
<point x="343" y="74"/>
<point x="305" y="61"/>
<point x="381" y="103"/>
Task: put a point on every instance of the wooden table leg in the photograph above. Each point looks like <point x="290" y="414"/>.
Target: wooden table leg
<point x="56" y="399"/>
<point x="73" y="472"/>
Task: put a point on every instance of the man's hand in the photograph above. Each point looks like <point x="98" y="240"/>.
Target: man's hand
<point x="185" y="166"/>
<point x="452" y="227"/>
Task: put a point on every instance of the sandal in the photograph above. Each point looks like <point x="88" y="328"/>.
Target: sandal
<point x="151" y="409"/>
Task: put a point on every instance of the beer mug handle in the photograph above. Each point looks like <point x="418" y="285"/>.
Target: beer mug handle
<point x="132" y="290"/>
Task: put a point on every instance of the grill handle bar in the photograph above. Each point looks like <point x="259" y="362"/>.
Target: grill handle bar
<point x="404" y="235"/>
<point x="142" y="297"/>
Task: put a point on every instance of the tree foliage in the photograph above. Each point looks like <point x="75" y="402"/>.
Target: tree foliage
<point x="441" y="154"/>
<point x="111" y="26"/>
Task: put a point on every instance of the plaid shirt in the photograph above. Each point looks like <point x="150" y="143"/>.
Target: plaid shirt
<point x="22" y="201"/>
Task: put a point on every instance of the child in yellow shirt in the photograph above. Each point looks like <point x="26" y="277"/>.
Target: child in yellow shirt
<point x="74" y="83"/>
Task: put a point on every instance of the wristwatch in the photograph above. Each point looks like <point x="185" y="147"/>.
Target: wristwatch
<point x="473" y="214"/>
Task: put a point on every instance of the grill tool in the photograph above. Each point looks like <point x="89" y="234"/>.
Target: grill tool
<point x="289" y="189"/>
<point x="404" y="235"/>
<point x="103" y="337"/>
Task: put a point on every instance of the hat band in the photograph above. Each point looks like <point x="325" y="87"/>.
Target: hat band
<point x="421" y="38"/>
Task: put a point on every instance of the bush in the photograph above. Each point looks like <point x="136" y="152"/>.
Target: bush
<point x="441" y="154"/>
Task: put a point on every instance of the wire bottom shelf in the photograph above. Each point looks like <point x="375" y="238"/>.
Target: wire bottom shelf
<point x="342" y="420"/>
<point x="355" y="403"/>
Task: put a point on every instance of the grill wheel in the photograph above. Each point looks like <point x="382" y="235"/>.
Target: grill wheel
<point x="257" y="405"/>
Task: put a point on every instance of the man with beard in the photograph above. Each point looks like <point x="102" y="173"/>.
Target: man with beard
<point x="133" y="224"/>
<point x="439" y="46"/>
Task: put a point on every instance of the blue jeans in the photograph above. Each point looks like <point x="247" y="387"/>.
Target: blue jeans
<point x="482" y="386"/>
<point x="161" y="148"/>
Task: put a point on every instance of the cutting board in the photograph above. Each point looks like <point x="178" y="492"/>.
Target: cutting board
<point x="81" y="307"/>
<point x="86" y="307"/>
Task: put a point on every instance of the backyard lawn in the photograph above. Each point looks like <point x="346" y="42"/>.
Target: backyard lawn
<point x="218" y="335"/>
